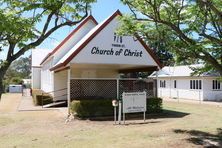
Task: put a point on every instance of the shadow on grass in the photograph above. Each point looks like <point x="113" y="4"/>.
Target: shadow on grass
<point x="167" y="114"/>
<point x="204" y="139"/>
<point x="140" y="122"/>
<point x="139" y="116"/>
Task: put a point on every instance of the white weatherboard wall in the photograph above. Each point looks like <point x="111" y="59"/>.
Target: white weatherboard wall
<point x="60" y="85"/>
<point x="36" y="77"/>
<point x="183" y="74"/>
<point x="104" y="40"/>
<point x="209" y="93"/>
<point x="37" y="57"/>
<point x="47" y="80"/>
<point x="182" y="91"/>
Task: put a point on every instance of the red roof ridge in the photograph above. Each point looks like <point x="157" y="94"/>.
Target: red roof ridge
<point x="90" y="17"/>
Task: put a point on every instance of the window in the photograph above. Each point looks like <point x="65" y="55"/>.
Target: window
<point x="162" y="83"/>
<point x="216" y="85"/>
<point x="200" y="84"/>
<point x="175" y="83"/>
<point x="195" y="84"/>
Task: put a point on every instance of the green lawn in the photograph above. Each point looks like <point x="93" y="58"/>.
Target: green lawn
<point x="181" y="125"/>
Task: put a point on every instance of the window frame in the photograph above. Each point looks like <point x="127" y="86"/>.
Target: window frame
<point x="216" y="85"/>
<point x="175" y="83"/>
<point x="195" y="84"/>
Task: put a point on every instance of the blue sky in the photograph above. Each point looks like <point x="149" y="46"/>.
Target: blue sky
<point x="100" y="10"/>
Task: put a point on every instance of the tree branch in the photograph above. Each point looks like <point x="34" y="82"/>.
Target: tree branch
<point x="42" y="37"/>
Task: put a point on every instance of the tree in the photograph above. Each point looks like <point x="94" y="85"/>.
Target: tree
<point x="26" y="24"/>
<point x="22" y="67"/>
<point x="191" y="29"/>
<point x="156" y="36"/>
<point x="18" y="70"/>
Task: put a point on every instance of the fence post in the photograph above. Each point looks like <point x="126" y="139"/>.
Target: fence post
<point x="119" y="101"/>
<point x="68" y="91"/>
<point x="157" y="84"/>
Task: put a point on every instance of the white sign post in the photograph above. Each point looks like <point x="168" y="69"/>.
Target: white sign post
<point x="115" y="104"/>
<point x="134" y="102"/>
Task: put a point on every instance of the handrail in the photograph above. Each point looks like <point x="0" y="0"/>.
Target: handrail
<point x="53" y="92"/>
<point x="60" y="96"/>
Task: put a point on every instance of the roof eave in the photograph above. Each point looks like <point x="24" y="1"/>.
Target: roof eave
<point x="90" y="17"/>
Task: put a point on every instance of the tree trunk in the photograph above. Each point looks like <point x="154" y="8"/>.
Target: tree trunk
<point x="1" y="87"/>
<point x="3" y="69"/>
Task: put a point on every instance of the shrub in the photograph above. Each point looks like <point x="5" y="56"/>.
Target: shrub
<point x="103" y="107"/>
<point x="38" y="99"/>
<point x="154" y="105"/>
<point x="92" y="107"/>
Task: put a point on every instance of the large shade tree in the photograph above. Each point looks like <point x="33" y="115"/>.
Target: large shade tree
<point x="190" y="29"/>
<point x="25" y="24"/>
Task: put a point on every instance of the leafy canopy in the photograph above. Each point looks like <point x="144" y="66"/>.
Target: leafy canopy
<point x="189" y="29"/>
<point x="26" y="24"/>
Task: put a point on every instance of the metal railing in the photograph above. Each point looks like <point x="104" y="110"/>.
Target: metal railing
<point x="50" y="94"/>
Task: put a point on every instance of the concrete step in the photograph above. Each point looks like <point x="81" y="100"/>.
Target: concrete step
<point x="54" y="104"/>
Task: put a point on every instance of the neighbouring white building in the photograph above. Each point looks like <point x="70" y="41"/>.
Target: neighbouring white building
<point x="87" y="63"/>
<point x="37" y="56"/>
<point x="177" y="82"/>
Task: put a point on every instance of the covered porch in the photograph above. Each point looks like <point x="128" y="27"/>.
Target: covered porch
<point x="102" y="81"/>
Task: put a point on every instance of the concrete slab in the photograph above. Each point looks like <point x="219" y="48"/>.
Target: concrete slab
<point x="26" y="104"/>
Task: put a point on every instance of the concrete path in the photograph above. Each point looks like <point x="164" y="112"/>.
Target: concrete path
<point x="26" y="104"/>
<point x="218" y="104"/>
<point x="9" y="102"/>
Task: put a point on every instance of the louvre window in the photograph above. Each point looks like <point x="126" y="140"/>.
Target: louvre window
<point x="216" y="85"/>
<point x="162" y="83"/>
<point x="175" y="83"/>
<point x="195" y="84"/>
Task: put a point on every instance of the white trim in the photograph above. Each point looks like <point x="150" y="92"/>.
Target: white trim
<point x="68" y="90"/>
<point x="110" y="79"/>
<point x="93" y="78"/>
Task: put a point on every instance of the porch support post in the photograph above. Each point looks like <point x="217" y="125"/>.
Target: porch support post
<point x="68" y="90"/>
<point x="119" y="102"/>
<point x="156" y="90"/>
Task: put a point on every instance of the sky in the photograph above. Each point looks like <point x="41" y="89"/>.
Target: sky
<point x="100" y="11"/>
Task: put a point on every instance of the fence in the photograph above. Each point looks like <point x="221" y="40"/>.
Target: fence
<point x="107" y="88"/>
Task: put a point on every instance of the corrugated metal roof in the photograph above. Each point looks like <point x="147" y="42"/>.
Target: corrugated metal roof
<point x="181" y="71"/>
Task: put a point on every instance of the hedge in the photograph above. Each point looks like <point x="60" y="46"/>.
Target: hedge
<point x="38" y="99"/>
<point x="154" y="105"/>
<point x="92" y="107"/>
<point x="103" y="107"/>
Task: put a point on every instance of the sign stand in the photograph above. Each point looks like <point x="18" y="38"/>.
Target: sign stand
<point x="144" y="116"/>
<point x="115" y="104"/>
<point x="133" y="102"/>
<point x="124" y="118"/>
<point x="115" y="114"/>
<point x="119" y="114"/>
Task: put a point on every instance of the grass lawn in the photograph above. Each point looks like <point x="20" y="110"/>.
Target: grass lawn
<point x="180" y="125"/>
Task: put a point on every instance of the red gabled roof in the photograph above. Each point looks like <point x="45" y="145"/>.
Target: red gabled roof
<point x="69" y="36"/>
<point x="117" y="13"/>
